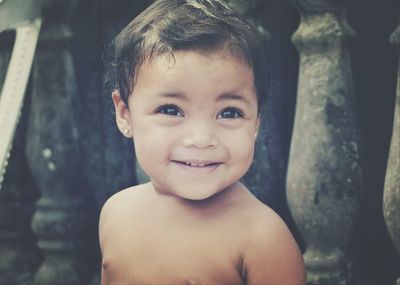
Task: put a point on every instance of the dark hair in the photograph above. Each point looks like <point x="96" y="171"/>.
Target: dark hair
<point x="170" y="25"/>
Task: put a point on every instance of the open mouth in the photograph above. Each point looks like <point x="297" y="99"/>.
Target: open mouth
<point x="197" y="164"/>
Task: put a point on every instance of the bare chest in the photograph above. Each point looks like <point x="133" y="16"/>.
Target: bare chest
<point x="162" y="253"/>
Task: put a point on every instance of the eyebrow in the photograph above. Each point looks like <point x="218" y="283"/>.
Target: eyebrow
<point x="222" y="97"/>
<point x="232" y="96"/>
<point x="174" y="95"/>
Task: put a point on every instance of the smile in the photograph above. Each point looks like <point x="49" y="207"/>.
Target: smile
<point x="197" y="164"/>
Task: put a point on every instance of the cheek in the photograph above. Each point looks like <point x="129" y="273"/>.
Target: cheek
<point x="241" y="148"/>
<point x="151" y="144"/>
<point x="150" y="156"/>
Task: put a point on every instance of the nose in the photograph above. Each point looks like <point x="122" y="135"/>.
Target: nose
<point x="201" y="136"/>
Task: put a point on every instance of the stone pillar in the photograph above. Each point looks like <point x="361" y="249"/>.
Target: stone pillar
<point x="391" y="196"/>
<point x="53" y="152"/>
<point x="19" y="256"/>
<point x="324" y="176"/>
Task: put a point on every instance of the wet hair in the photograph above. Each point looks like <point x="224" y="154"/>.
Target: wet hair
<point x="178" y="25"/>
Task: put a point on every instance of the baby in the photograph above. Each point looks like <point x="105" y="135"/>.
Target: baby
<point x="190" y="76"/>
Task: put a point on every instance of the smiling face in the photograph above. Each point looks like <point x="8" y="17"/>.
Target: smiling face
<point x="193" y="118"/>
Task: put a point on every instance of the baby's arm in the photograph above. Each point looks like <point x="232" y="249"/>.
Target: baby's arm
<point x="103" y="277"/>
<point x="103" y="217"/>
<point x="272" y="256"/>
<point x="105" y="230"/>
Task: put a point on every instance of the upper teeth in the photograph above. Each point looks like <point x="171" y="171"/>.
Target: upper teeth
<point x="196" y="164"/>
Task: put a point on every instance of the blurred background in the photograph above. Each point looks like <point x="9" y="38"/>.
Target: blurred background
<point x="321" y="156"/>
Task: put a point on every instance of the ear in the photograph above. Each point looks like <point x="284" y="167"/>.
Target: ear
<point x="122" y="115"/>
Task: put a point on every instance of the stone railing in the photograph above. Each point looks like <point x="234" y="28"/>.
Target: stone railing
<point x="68" y="158"/>
<point x="324" y="179"/>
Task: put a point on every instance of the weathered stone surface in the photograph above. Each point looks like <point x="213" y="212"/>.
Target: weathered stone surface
<point x="19" y="257"/>
<point x="324" y="174"/>
<point x="391" y="197"/>
<point x="53" y="151"/>
<point x="317" y="6"/>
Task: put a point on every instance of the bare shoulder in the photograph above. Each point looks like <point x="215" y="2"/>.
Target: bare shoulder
<point x="271" y="254"/>
<point x="116" y="208"/>
<point x="114" y="204"/>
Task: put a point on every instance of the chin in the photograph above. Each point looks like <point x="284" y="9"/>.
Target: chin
<point x="197" y="193"/>
<point x="197" y="197"/>
<point x="200" y="194"/>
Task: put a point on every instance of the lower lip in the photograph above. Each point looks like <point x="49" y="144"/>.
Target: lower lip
<point x="197" y="169"/>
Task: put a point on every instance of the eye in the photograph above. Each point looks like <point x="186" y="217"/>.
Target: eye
<point x="170" y="110"/>
<point x="230" y="113"/>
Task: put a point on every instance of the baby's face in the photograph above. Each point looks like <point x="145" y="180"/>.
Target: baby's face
<point x="194" y="122"/>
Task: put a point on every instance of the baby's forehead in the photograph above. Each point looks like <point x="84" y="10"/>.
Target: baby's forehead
<point x="191" y="71"/>
<point x="169" y="58"/>
<point x="169" y="63"/>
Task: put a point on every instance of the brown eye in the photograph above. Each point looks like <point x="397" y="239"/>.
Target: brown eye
<point x="230" y="113"/>
<point x="170" y="110"/>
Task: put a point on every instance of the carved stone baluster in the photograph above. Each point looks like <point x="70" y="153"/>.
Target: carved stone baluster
<point x="53" y="151"/>
<point x="391" y="196"/>
<point x="19" y="256"/>
<point x="324" y="174"/>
